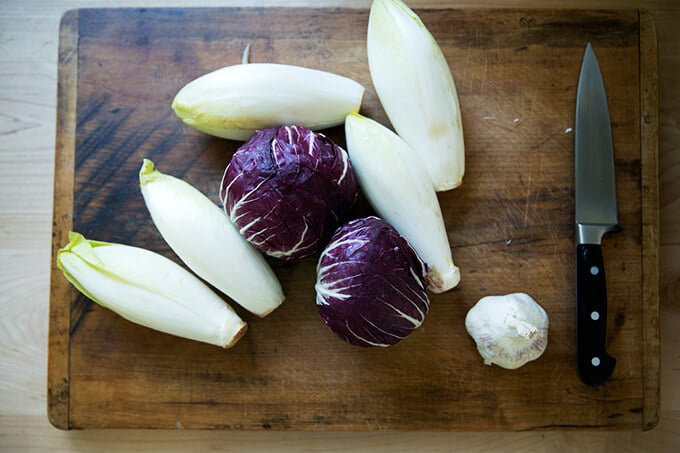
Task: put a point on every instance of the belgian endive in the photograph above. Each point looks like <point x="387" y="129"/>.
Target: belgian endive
<point x="206" y="240"/>
<point x="149" y="289"/>
<point x="234" y="101"/>
<point x="416" y="89"/>
<point x="396" y="184"/>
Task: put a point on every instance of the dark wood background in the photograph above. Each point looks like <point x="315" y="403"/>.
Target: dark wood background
<point x="510" y="225"/>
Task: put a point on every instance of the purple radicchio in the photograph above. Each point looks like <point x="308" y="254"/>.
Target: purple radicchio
<point x="286" y="190"/>
<point x="371" y="285"/>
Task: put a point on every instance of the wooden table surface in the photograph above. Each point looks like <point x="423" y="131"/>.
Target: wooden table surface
<point x="28" y="72"/>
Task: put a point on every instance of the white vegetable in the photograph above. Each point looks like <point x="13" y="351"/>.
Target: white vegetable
<point x="234" y="101"/>
<point x="208" y="242"/>
<point x="148" y="289"/>
<point x="397" y="186"/>
<point x="509" y="330"/>
<point x="414" y="84"/>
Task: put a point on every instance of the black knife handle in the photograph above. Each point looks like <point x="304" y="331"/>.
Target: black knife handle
<point x="594" y="364"/>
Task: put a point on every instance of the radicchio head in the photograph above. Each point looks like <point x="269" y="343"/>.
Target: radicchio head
<point x="371" y="288"/>
<point x="286" y="190"/>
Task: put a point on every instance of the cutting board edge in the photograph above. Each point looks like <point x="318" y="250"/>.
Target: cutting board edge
<point x="649" y="148"/>
<point x="58" y="372"/>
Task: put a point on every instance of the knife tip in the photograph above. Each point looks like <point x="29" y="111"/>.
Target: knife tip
<point x="589" y="54"/>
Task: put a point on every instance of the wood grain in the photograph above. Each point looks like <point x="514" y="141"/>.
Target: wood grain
<point x="511" y="226"/>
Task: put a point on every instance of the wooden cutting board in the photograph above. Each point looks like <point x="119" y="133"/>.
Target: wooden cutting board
<point x="510" y="226"/>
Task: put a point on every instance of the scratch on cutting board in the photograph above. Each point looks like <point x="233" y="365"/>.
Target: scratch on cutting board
<point x="244" y="407"/>
<point x="529" y="199"/>
<point x="527" y="204"/>
<point x="377" y="427"/>
<point x="482" y="87"/>
<point x="464" y="78"/>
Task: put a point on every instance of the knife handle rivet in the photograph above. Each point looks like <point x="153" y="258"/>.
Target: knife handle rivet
<point x="594" y="316"/>
<point x="595" y="361"/>
<point x="594" y="270"/>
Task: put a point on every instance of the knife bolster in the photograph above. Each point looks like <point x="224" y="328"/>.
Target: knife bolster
<point x="592" y="233"/>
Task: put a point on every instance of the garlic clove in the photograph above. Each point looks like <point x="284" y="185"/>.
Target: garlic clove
<point x="509" y="330"/>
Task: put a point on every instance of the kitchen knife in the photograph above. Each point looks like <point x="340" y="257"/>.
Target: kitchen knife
<point x="596" y="215"/>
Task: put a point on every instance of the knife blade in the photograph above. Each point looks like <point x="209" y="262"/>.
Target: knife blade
<point x="596" y="215"/>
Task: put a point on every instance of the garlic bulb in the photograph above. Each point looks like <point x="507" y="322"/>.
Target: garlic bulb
<point x="234" y="101"/>
<point x="149" y="289"/>
<point x="509" y="330"/>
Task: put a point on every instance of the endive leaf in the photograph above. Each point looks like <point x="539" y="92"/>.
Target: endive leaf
<point x="148" y="289"/>
<point x="397" y="185"/>
<point x="208" y="242"/>
<point x="234" y="101"/>
<point x="416" y="89"/>
<point x="83" y="248"/>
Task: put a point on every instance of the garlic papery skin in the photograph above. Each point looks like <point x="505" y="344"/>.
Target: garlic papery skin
<point x="149" y="289"/>
<point x="397" y="186"/>
<point x="509" y="330"/>
<point x="234" y="101"/>
<point x="416" y="89"/>
<point x="204" y="238"/>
